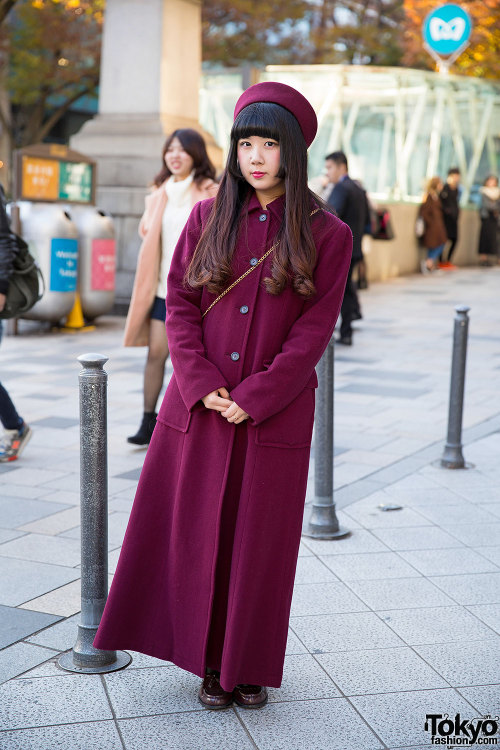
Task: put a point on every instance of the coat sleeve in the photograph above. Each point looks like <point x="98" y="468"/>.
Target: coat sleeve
<point x="8" y="247"/>
<point x="196" y="376"/>
<point x="266" y="393"/>
<point x="338" y="199"/>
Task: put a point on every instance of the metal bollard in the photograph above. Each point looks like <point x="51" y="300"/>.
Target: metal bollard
<point x="84" y="657"/>
<point x="323" y="522"/>
<point x="452" y="456"/>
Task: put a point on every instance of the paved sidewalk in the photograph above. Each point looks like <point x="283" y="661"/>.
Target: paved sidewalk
<point x="400" y="620"/>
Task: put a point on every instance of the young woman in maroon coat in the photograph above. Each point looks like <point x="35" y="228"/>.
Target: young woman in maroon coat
<point x="206" y="573"/>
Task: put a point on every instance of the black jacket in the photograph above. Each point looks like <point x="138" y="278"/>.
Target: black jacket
<point x="349" y="201"/>
<point x="451" y="210"/>
<point x="8" y="246"/>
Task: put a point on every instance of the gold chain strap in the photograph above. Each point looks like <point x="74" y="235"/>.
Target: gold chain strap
<point x="247" y="272"/>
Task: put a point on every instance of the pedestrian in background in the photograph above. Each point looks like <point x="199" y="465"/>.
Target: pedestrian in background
<point x="16" y="432"/>
<point x="187" y="176"/>
<point x="205" y="576"/>
<point x="434" y="238"/>
<point x="449" y="197"/>
<point x="489" y="212"/>
<point x="348" y="199"/>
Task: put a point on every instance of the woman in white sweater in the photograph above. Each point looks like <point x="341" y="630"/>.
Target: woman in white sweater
<point x="187" y="176"/>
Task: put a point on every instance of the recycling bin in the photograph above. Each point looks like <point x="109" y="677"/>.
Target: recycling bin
<point x="97" y="259"/>
<point x="52" y="238"/>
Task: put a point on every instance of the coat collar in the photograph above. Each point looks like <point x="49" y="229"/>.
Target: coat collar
<point x="276" y="207"/>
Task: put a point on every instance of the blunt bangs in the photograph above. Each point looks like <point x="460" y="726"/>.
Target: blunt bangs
<point x="262" y="119"/>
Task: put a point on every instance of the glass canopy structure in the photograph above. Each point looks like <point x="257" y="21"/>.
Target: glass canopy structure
<point x="398" y="126"/>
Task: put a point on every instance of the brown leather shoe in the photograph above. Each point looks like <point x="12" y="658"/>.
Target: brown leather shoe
<point x="250" y="696"/>
<point x="211" y="694"/>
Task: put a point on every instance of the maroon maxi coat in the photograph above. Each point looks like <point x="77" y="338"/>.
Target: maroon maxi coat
<point x="206" y="572"/>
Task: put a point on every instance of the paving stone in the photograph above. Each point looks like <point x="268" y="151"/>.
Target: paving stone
<point x="371" y="517"/>
<point x="479" y="661"/>
<point x="37" y="477"/>
<point x="381" y="390"/>
<point x="479" y="588"/>
<point x="343" y="632"/>
<point x="400" y="593"/>
<point x="385" y="670"/>
<point x="294" y="645"/>
<point x="55" y="523"/>
<point x="17" y="624"/>
<point x="452" y="515"/>
<point x="186" y="731"/>
<point x="488" y="613"/>
<point x="368" y="372"/>
<point x="146" y="692"/>
<point x="476" y="535"/>
<point x="324" y="598"/>
<point x="421" y="537"/>
<point x="485" y="698"/>
<point x="435" y="625"/>
<point x="16" y="511"/>
<point x="53" y="701"/>
<point x="143" y="661"/>
<point x="360" y="541"/>
<point x="369" y="566"/>
<point x="320" y="724"/>
<point x="18" y="658"/>
<point x="94" y="735"/>
<point x="7" y="534"/>
<point x="420" y="497"/>
<point x="49" y="668"/>
<point x="60" y="637"/>
<point x="60" y="423"/>
<point x="303" y="679"/>
<point x="43" y="548"/>
<point x="448" y="561"/>
<point x="21" y="580"/>
<point x="399" y="718"/>
<point x="312" y="570"/>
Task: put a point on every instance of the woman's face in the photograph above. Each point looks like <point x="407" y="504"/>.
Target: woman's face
<point x="491" y="182"/>
<point x="259" y="160"/>
<point x="178" y="160"/>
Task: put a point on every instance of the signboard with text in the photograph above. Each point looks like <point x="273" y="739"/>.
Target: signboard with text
<point x="50" y="172"/>
<point x="63" y="264"/>
<point x="103" y="265"/>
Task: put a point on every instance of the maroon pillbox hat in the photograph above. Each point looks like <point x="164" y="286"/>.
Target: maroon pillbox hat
<point x="285" y="96"/>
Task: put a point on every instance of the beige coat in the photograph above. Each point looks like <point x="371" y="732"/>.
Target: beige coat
<point x="148" y="262"/>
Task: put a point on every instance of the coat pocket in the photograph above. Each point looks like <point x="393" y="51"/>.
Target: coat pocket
<point x="173" y="411"/>
<point x="292" y="427"/>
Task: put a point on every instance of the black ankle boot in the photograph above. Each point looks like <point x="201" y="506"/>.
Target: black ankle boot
<point x="145" y="431"/>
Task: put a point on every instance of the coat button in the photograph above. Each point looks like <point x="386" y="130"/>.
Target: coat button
<point x="263" y="217"/>
<point x="253" y="261"/>
<point x="235" y="356"/>
<point x="244" y="309"/>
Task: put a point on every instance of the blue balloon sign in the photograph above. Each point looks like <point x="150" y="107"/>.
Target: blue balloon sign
<point x="447" y="29"/>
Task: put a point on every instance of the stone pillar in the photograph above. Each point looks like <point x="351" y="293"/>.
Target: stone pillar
<point x="150" y="70"/>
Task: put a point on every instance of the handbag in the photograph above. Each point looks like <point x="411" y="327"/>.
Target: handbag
<point x="248" y="271"/>
<point x="26" y="283"/>
<point x="419" y="227"/>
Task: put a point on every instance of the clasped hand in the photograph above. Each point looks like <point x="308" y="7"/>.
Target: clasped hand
<point x="221" y="401"/>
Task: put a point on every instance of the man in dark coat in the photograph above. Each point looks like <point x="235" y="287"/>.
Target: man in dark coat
<point x="450" y="196"/>
<point x="348" y="200"/>
<point x="16" y="431"/>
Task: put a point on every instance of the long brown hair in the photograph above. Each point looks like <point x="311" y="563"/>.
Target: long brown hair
<point x="295" y="257"/>
<point x="194" y="145"/>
